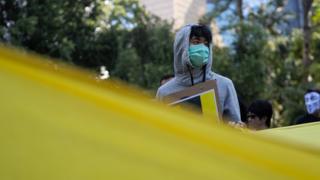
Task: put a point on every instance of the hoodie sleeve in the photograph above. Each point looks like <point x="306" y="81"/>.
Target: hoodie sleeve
<point x="169" y="87"/>
<point x="159" y="95"/>
<point x="231" y="105"/>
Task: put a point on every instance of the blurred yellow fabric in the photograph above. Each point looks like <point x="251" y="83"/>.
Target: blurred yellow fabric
<point x="56" y="123"/>
<point x="307" y="134"/>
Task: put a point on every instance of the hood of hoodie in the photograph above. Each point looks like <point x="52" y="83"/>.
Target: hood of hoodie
<point x="181" y="59"/>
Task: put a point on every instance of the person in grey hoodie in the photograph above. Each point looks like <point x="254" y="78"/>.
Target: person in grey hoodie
<point x="192" y="65"/>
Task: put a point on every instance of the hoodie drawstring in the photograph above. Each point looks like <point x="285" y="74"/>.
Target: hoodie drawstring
<point x="190" y="72"/>
<point x="204" y="67"/>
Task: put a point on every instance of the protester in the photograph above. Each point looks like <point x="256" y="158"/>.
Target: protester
<point x="259" y="115"/>
<point x="243" y="110"/>
<point x="312" y="102"/>
<point x="192" y="65"/>
<point x="165" y="79"/>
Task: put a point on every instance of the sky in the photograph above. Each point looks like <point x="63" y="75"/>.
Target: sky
<point x="247" y="5"/>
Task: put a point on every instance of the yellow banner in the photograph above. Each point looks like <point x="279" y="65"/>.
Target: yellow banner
<point x="308" y="135"/>
<point x="57" y="123"/>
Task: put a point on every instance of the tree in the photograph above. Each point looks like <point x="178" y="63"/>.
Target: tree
<point x="59" y="29"/>
<point x="263" y="63"/>
<point x="134" y="45"/>
<point x="307" y="4"/>
<point x="270" y="16"/>
<point x="240" y="10"/>
<point x="145" y="48"/>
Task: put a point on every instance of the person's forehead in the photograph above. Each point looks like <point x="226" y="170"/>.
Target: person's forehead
<point x="251" y="113"/>
<point x="198" y="37"/>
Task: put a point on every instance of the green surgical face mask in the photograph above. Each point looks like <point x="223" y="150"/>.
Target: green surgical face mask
<point x="198" y="55"/>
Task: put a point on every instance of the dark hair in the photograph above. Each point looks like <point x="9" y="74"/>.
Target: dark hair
<point x="201" y="31"/>
<point x="165" y="77"/>
<point x="312" y="90"/>
<point x="262" y="108"/>
<point x="243" y="110"/>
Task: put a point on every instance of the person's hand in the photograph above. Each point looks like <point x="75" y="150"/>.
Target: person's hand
<point x="237" y="125"/>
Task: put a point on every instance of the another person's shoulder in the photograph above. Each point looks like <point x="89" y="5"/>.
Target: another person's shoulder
<point x="166" y="89"/>
<point x="307" y="118"/>
<point x="161" y="92"/>
<point x="300" y="119"/>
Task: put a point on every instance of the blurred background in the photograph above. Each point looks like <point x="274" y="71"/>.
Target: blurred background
<point x="269" y="49"/>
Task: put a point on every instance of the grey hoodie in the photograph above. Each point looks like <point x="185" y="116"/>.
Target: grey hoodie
<point x="228" y="101"/>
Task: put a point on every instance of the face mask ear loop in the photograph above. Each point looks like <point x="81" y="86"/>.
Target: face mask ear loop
<point x="190" y="72"/>
<point x="204" y="68"/>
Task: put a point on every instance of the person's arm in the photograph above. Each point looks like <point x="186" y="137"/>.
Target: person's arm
<point x="159" y="96"/>
<point x="231" y="106"/>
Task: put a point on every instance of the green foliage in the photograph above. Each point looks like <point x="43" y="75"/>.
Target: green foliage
<point x="151" y="47"/>
<point x="266" y="64"/>
<point x="146" y="45"/>
<point x="134" y="45"/>
<point x="249" y="62"/>
<point x="137" y="47"/>
<point x="287" y="79"/>
<point x="246" y="66"/>
<point x="55" y="28"/>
